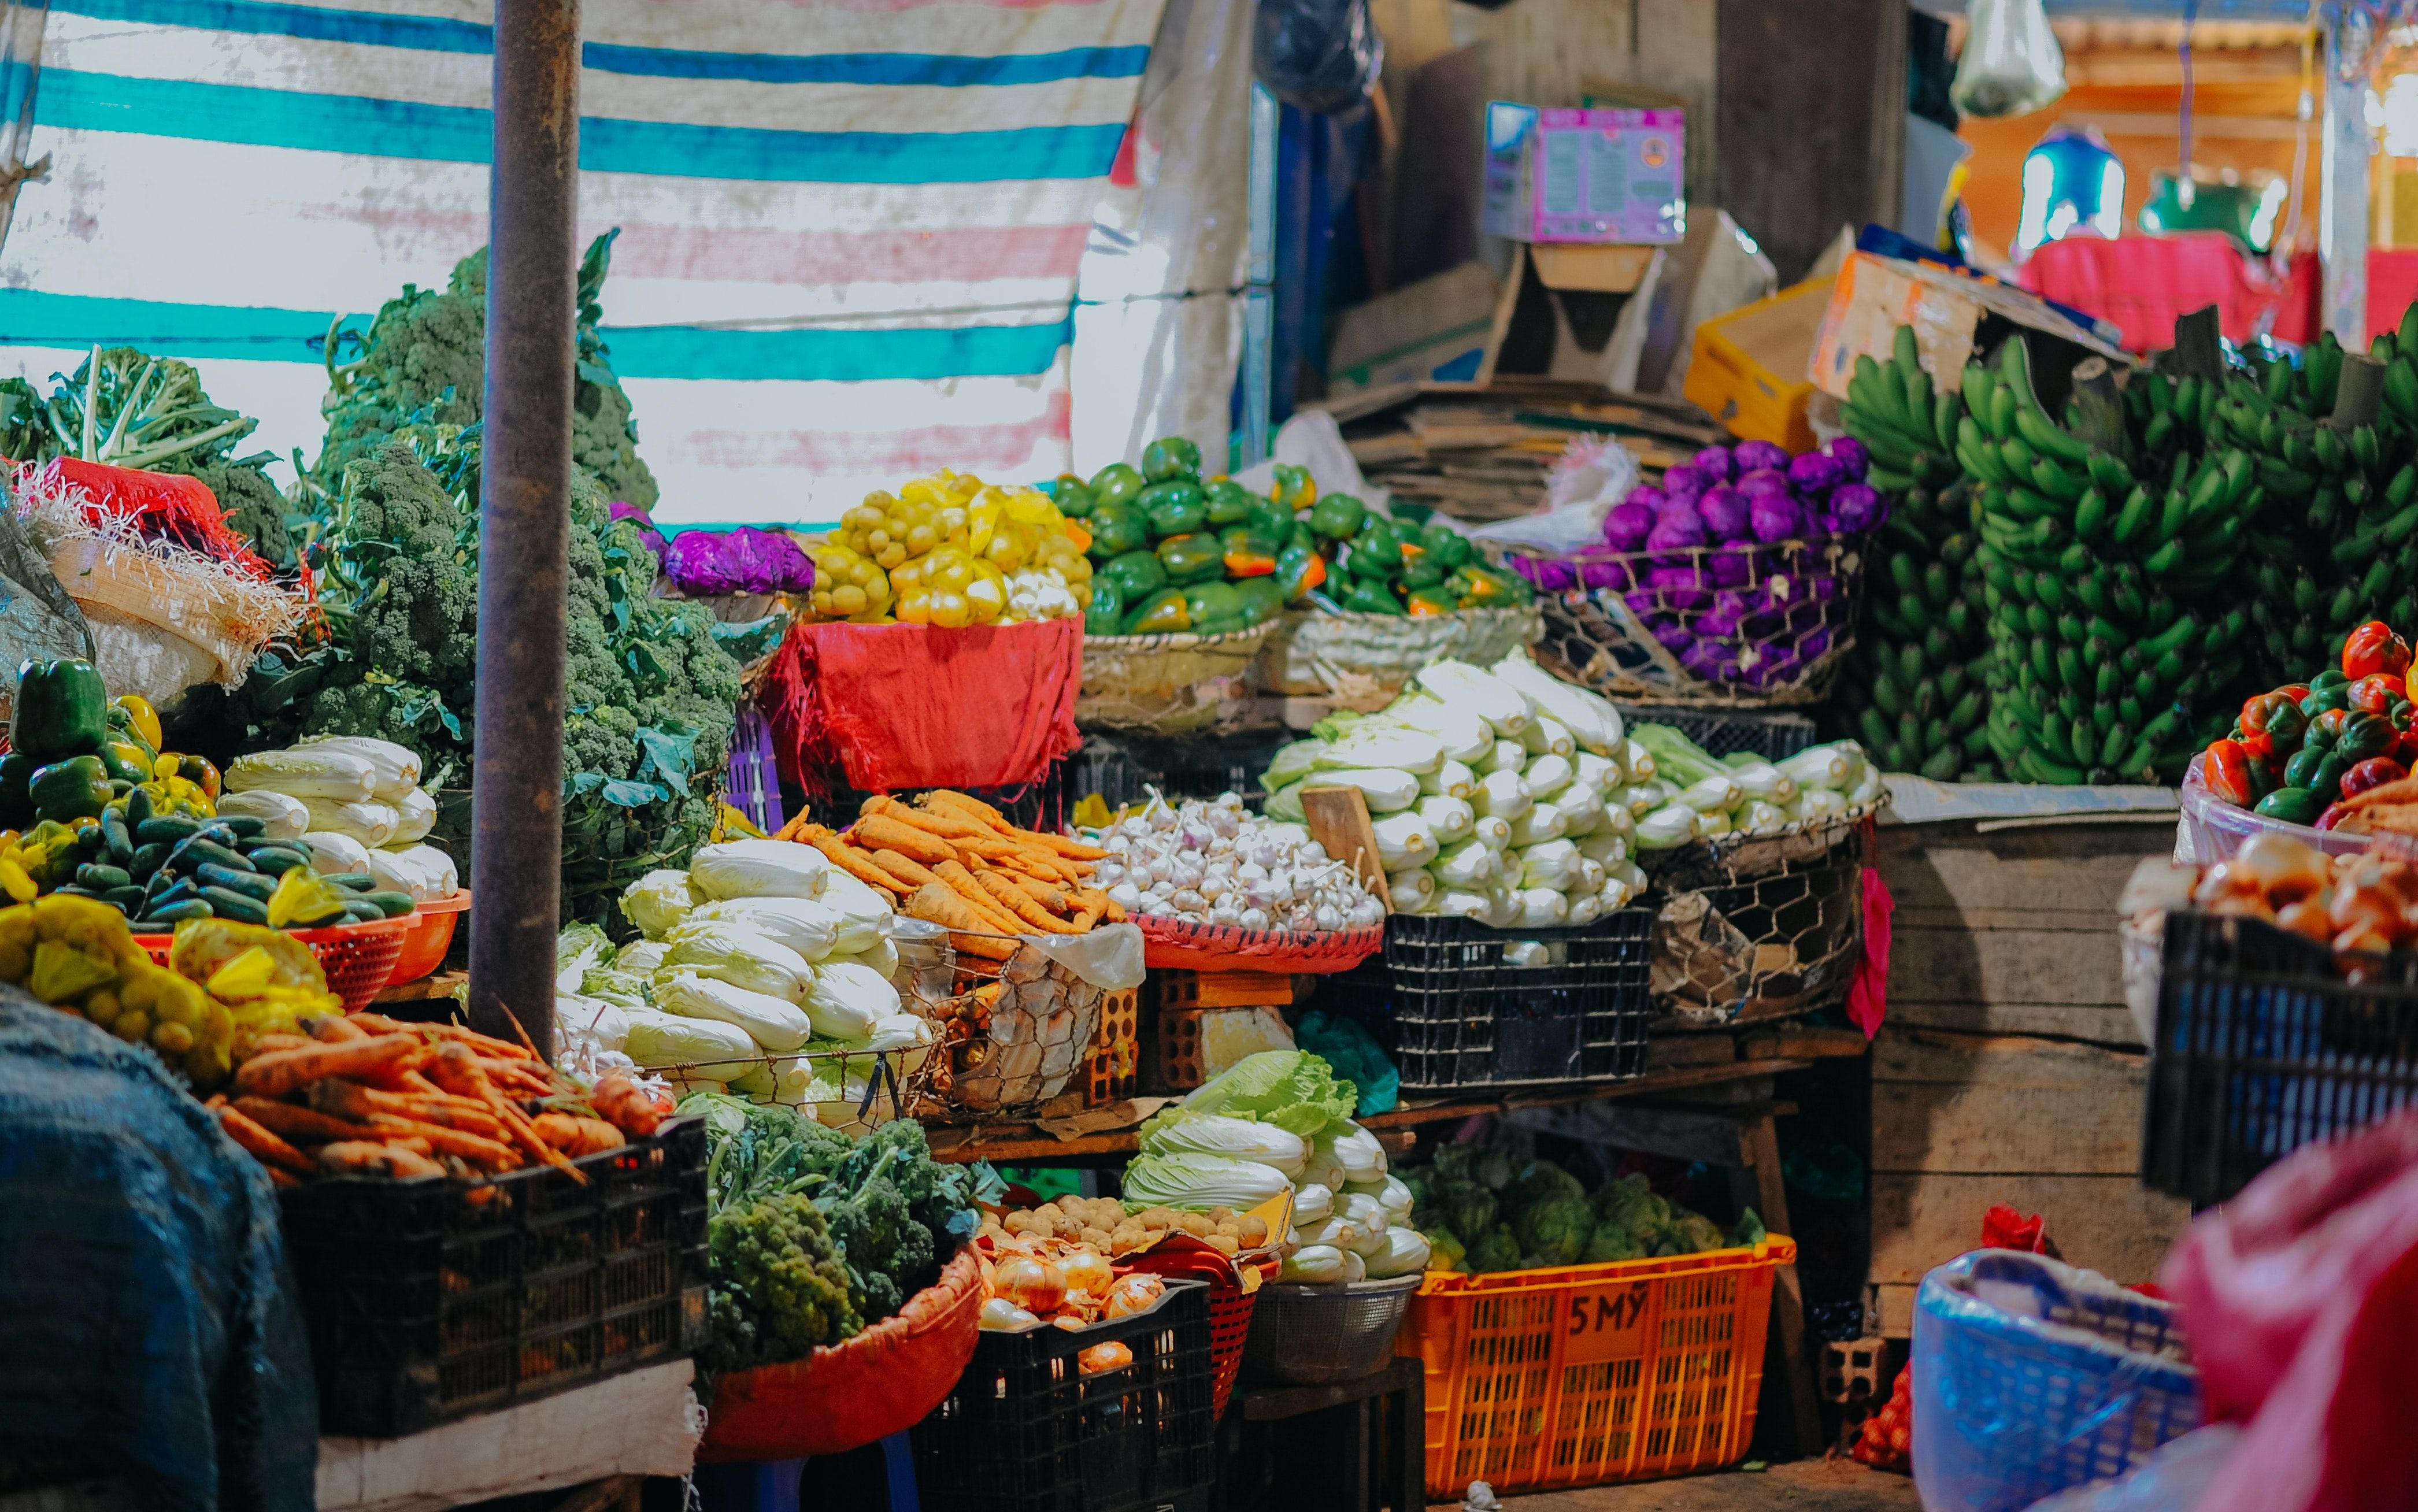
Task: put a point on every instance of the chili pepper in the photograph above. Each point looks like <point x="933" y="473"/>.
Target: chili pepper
<point x="2372" y="647"/>
<point x="1478" y="587"/>
<point x="1298" y="570"/>
<point x="1338" y="517"/>
<point x="1118" y="482"/>
<point x="62" y="709"/>
<point x="1370" y="595"/>
<point x="2273" y="713"/>
<point x="2376" y="693"/>
<point x="1170" y="456"/>
<point x="1174" y="509"/>
<point x="2363" y="735"/>
<point x="126" y="761"/>
<point x="1229" y="502"/>
<point x="2326" y="678"/>
<point x="1246" y="552"/>
<point x="1294" y="488"/>
<point x="1073" y="497"/>
<point x="2294" y="690"/>
<point x="1419" y="571"/>
<point x="2373" y="772"/>
<point x="142" y="718"/>
<point x="2227" y="768"/>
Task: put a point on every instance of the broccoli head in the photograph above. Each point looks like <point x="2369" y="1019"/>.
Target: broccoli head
<point x="890" y="1256"/>
<point x="1461" y="1204"/>
<point x="254" y="508"/>
<point x="778" y="1286"/>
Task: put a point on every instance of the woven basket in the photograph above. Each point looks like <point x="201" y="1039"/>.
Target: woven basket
<point x="1176" y="943"/>
<point x="1363" y="661"/>
<point x="1627" y="639"/>
<point x="1169" y="684"/>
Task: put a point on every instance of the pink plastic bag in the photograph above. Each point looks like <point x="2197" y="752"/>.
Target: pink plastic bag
<point x="2301" y="1303"/>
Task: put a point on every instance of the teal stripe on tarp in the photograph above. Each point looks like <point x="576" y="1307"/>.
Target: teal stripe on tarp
<point x="29" y="317"/>
<point x="73" y="101"/>
<point x="435" y="34"/>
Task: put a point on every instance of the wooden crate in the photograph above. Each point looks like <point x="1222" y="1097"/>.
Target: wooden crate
<point x="2009" y="1071"/>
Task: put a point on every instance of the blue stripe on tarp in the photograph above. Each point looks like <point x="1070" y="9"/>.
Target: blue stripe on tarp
<point x="71" y="101"/>
<point x="435" y="34"/>
<point x="29" y="317"/>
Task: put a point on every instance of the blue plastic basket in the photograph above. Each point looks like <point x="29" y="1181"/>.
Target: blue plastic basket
<point x="2030" y="1377"/>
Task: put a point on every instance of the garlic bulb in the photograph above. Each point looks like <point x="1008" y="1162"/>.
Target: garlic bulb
<point x="1217" y="863"/>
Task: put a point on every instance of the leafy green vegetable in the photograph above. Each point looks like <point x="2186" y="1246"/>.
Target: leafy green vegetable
<point x="1539" y="1181"/>
<point x="1556" y="1229"/>
<point x="778" y="1288"/>
<point x="1292" y="1090"/>
<point x="1610" y="1242"/>
<point x="1749" y="1230"/>
<point x="1459" y="1203"/>
<point x="1496" y="1250"/>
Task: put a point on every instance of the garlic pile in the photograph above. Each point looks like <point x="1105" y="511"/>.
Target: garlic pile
<point x="1217" y="863"/>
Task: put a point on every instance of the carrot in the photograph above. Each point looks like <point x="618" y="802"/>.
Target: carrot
<point x="458" y="1071"/>
<point x="627" y="1106"/>
<point x="282" y="1177"/>
<point x="349" y="1100"/>
<point x="790" y="831"/>
<point x="1044" y="894"/>
<point x="1013" y="898"/>
<point x="405" y="1142"/>
<point x="264" y="1147"/>
<point x="973" y="808"/>
<point x="331" y="1028"/>
<point x="485" y="1044"/>
<point x="911" y="872"/>
<point x="961" y="882"/>
<point x="935" y="903"/>
<point x="361" y="1157"/>
<point x="851" y="860"/>
<point x="1099" y="904"/>
<point x="877" y="831"/>
<point x="489" y="1154"/>
<point x="1071" y="849"/>
<point x="274" y="1076"/>
<point x="269" y="1044"/>
<point x="305" y="1125"/>
<point x="948" y="826"/>
<point x="577" y="1136"/>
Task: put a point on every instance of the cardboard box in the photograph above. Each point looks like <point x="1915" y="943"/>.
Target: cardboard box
<point x="1953" y="317"/>
<point x="1597" y="175"/>
<point x="1437" y="329"/>
<point x="1748" y="366"/>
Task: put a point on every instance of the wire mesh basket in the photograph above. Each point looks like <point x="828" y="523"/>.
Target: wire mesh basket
<point x="1314" y="1335"/>
<point x="1762" y="928"/>
<point x="1732" y="626"/>
<point x="1013" y="1034"/>
<point x="1170" y="684"/>
<point x="1771" y="734"/>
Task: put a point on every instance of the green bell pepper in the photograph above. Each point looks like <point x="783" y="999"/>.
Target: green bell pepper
<point x="1162" y="614"/>
<point x="1337" y="516"/>
<point x="1294" y="488"/>
<point x="1303" y="536"/>
<point x="76" y="788"/>
<point x="126" y="759"/>
<point x="62" y="709"/>
<point x="1106" y="613"/>
<point x="1261" y="599"/>
<point x="1116" y="528"/>
<point x="1446" y="548"/>
<point x="1375" y="553"/>
<point x="1230" y="502"/>
<point x="1246" y="552"/>
<point x="1174" y="509"/>
<point x="1211" y="602"/>
<point x="1136" y="574"/>
<point x="1196" y="558"/>
<point x="1073" y="497"/>
<point x="1299" y="569"/>
<point x="1370" y="595"/>
<point x="1426" y="601"/>
<point x="2365" y="735"/>
<point x="1270" y="519"/>
<point x="1419" y="571"/>
<point x="1476" y="588"/>
<point x="1169" y="457"/>
<point x="1119" y="483"/>
<point x="16" y="804"/>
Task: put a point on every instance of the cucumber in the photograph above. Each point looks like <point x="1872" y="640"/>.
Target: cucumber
<point x="166" y="916"/>
<point x="249" y="884"/>
<point x="395" y="904"/>
<point x="276" y="860"/>
<point x="244" y="825"/>
<point x="138" y="808"/>
<point x="167" y="826"/>
<point x="125" y="900"/>
<point x="360" y="911"/>
<point x="227" y="904"/>
<point x="101" y="877"/>
<point x="196" y="850"/>
<point x="115" y="836"/>
<point x="352" y="881"/>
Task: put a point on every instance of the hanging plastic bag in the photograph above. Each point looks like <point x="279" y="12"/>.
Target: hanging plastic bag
<point x="2012" y="64"/>
<point x="1321" y="55"/>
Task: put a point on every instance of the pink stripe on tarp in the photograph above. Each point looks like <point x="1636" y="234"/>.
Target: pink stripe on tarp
<point x="879" y="7"/>
<point x="905" y="453"/>
<point x="705" y="254"/>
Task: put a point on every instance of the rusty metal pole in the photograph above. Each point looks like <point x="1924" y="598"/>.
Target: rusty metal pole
<point x="525" y="519"/>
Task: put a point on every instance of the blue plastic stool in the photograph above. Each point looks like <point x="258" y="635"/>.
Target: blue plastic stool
<point x="773" y="1485"/>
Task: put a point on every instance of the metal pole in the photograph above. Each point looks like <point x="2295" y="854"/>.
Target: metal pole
<point x="525" y="519"/>
<point x="1259" y="299"/>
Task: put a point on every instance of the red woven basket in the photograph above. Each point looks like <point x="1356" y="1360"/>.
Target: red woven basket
<point x="1230" y="1305"/>
<point x="1172" y="944"/>
<point x="357" y="957"/>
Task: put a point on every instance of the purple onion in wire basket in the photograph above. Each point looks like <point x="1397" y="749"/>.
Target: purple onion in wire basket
<point x="1673" y="635"/>
<point x="1761" y="481"/>
<point x="1716" y="462"/>
<point x="1628" y="525"/>
<point x="1814" y="473"/>
<point x="1775" y="517"/>
<point x="1851" y="456"/>
<point x="1751" y="455"/>
<point x="1647" y="495"/>
<point x="1548" y="576"/>
<point x="1684" y="482"/>
<point x="1606" y="574"/>
<point x="1856" y="508"/>
<point x="1724" y="509"/>
<point x="1729" y="567"/>
<point x="1676" y="530"/>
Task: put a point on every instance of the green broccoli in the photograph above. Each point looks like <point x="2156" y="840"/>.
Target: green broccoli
<point x="778" y="1288"/>
<point x="1556" y="1229"/>
<point x="423" y="360"/>
<point x="897" y="1213"/>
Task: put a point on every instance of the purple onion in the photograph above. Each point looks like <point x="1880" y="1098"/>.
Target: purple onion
<point x="1606" y="574"/>
<point x="1684" y="481"/>
<point x="1625" y="527"/>
<point x="1856" y="508"/>
<point x="1814" y="473"/>
<point x="1815" y="644"/>
<point x="1674" y="636"/>
<point x="1776" y="517"/>
<point x="1717" y="624"/>
<point x="1716" y="462"/>
<point x="1730" y="567"/>
<point x="1763" y="481"/>
<point x="1711" y="662"/>
<point x="1763" y="626"/>
<point x="1805" y="616"/>
<point x="1647" y="495"/>
<point x="1724" y="512"/>
<point x="1750" y="455"/>
<point x="1548" y="576"/>
<point x="1778" y="664"/>
<point x="1676" y="530"/>
<point x="1850" y="454"/>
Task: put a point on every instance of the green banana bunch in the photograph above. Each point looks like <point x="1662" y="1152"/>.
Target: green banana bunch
<point x="1906" y="423"/>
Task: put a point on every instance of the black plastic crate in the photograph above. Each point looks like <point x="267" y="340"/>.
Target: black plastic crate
<point x="2263" y="1048"/>
<point x="1026" y="1430"/>
<point x="1723" y="732"/>
<point x="1122" y="768"/>
<point x="1453" y="1012"/>
<point x="429" y="1301"/>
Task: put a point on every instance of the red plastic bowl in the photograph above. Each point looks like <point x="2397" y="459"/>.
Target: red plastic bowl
<point x="357" y="957"/>
<point x="430" y="937"/>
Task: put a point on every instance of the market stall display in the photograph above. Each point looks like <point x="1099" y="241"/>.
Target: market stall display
<point x="1175" y="867"/>
<point x="951" y="550"/>
<point x="2310" y="753"/>
<point x="1734" y="580"/>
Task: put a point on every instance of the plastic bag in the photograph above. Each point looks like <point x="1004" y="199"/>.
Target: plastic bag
<point x="2012" y="64"/>
<point x="1321" y="55"/>
<point x="1343" y="1044"/>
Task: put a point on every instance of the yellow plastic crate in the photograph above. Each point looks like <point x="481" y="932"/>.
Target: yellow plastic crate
<point x="1747" y="369"/>
<point x="1588" y="1374"/>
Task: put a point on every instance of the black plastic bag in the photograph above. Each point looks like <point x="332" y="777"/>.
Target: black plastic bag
<point x="1320" y="56"/>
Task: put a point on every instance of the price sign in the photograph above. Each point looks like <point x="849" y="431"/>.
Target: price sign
<point x="1605" y="1322"/>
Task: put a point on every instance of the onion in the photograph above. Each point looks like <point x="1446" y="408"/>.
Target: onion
<point x="1137" y="1293"/>
<point x="1717" y="463"/>
<point x="1776" y="517"/>
<point x="1645" y="494"/>
<point x="1753" y="454"/>
<point x="2286" y="870"/>
<point x="1856" y="508"/>
<point x="1850" y="454"/>
<point x="1625" y="527"/>
<point x="1724" y="509"/>
<point x="1684" y="481"/>
<point x="1675" y="531"/>
<point x="1035" y="1285"/>
<point x="1763" y="481"/>
<point x="1814" y="473"/>
<point x="1088" y="1271"/>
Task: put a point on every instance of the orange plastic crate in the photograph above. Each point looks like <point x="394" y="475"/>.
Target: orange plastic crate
<point x="1588" y="1374"/>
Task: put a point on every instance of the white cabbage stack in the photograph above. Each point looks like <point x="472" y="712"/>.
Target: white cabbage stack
<point x="355" y="802"/>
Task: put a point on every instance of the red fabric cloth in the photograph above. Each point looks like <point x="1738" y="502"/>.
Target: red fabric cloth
<point x="2300" y="1299"/>
<point x="2142" y="283"/>
<point x="1868" y="989"/>
<point x="892" y="707"/>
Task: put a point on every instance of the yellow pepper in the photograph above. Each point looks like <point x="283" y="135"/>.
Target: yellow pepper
<point x="142" y="716"/>
<point x="303" y="896"/>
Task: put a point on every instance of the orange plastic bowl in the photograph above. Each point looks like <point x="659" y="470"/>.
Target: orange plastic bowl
<point x="429" y="937"/>
<point x="357" y="957"/>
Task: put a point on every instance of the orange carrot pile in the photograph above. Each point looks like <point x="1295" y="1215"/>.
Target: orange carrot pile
<point x="955" y="861"/>
<point x="368" y="1095"/>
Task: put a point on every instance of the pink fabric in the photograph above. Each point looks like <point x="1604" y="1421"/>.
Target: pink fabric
<point x="2300" y="1302"/>
<point x="1868" y="990"/>
<point x="2142" y="283"/>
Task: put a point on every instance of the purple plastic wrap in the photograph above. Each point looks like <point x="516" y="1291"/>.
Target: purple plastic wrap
<point x="745" y="561"/>
<point x="654" y="537"/>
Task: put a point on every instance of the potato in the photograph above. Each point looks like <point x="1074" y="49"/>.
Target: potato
<point x="1098" y="1238"/>
<point x="1226" y="1244"/>
<point x="1251" y="1230"/>
<point x="1018" y="1221"/>
<point x="1219" y="1216"/>
<point x="1196" y="1225"/>
<point x="1048" y="1212"/>
<point x="1159" y="1218"/>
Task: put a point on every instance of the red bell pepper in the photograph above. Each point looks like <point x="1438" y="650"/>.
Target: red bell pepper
<point x="2328" y="726"/>
<point x="2373" y="772"/>
<point x="2372" y="647"/>
<point x="2227" y="768"/>
<point x="2276" y="715"/>
<point x="2377" y="692"/>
